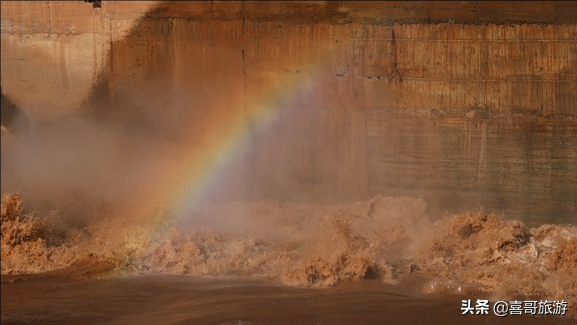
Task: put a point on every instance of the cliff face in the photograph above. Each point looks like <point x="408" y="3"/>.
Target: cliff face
<point x="52" y="51"/>
<point x="466" y="104"/>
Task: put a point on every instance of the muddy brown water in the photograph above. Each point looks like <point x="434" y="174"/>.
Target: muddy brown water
<point x="380" y="261"/>
<point x="171" y="299"/>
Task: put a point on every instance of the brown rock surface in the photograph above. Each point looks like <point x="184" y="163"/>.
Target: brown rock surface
<point x="470" y="103"/>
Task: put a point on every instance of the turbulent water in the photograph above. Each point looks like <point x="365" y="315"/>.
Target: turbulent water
<point x="386" y="241"/>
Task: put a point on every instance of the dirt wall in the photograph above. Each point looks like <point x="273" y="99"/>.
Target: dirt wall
<point x="468" y="104"/>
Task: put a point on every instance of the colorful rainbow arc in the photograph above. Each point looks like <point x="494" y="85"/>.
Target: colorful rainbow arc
<point x="184" y="184"/>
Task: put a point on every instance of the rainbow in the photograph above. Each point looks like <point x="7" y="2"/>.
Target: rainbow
<point x="185" y="182"/>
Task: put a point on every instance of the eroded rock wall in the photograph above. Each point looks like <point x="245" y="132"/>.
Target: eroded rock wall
<point x="468" y="104"/>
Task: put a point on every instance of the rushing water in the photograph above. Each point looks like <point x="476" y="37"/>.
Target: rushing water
<point x="374" y="261"/>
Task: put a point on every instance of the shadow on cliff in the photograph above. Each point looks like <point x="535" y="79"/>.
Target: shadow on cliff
<point x="13" y="119"/>
<point x="73" y="162"/>
<point x="134" y="125"/>
<point x="184" y="81"/>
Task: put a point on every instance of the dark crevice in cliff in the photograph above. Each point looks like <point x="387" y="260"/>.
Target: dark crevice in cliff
<point x="11" y="117"/>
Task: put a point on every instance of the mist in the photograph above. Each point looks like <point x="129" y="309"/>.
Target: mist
<point x="212" y="141"/>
